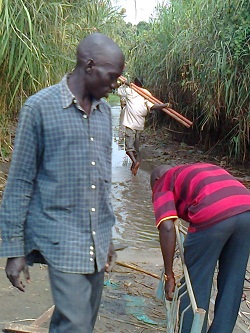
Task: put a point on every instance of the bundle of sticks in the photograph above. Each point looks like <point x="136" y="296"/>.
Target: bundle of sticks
<point x="174" y="114"/>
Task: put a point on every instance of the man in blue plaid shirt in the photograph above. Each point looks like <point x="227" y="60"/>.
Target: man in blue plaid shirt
<point x="56" y="206"/>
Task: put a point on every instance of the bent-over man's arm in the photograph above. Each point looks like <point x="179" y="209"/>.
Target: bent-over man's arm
<point x="167" y="241"/>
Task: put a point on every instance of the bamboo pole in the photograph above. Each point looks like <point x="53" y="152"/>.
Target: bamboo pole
<point x="174" y="114"/>
<point x="153" y="100"/>
<point x="135" y="87"/>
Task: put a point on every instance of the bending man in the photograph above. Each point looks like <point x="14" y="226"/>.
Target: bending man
<point x="217" y="207"/>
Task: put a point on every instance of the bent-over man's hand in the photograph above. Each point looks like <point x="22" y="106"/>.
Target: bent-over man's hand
<point x="112" y="256"/>
<point x="13" y="269"/>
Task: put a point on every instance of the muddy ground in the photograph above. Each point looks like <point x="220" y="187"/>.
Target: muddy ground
<point x="129" y="302"/>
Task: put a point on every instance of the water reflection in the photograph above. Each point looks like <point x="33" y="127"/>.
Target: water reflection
<point x="131" y="196"/>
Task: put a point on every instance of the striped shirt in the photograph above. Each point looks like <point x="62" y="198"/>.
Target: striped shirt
<point x="57" y="197"/>
<point x="201" y="194"/>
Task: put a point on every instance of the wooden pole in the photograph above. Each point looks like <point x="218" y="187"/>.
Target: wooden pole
<point x="153" y="100"/>
<point x="137" y="269"/>
<point x="174" y="114"/>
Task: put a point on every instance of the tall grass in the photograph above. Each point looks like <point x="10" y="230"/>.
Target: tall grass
<point x="197" y="55"/>
<point x="38" y="40"/>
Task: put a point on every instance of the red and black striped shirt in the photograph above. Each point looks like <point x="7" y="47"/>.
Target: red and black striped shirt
<point x="202" y="194"/>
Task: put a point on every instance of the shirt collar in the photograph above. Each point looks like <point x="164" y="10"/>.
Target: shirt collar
<point x="68" y="98"/>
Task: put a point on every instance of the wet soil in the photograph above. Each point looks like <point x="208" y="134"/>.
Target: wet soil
<point x="129" y="302"/>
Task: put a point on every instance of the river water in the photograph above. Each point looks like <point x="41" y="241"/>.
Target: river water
<point x="131" y="196"/>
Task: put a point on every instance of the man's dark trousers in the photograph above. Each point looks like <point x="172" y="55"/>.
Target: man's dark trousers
<point x="226" y="244"/>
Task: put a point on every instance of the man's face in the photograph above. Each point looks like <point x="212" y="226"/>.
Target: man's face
<point x="103" y="77"/>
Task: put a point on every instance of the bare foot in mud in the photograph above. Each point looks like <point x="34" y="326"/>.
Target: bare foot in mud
<point x="135" y="169"/>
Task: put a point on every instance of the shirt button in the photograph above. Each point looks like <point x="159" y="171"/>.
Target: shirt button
<point x="91" y="259"/>
<point x="93" y="187"/>
<point x="93" y="162"/>
<point x="91" y="139"/>
<point x="85" y="116"/>
<point x="94" y="233"/>
<point x="91" y="247"/>
<point x="91" y="253"/>
<point x="74" y="100"/>
<point x="93" y="209"/>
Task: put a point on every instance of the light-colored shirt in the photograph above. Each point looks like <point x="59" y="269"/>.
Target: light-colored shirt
<point x="136" y="108"/>
<point x="57" y="197"/>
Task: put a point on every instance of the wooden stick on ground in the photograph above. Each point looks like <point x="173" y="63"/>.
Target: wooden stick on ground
<point x="18" y="328"/>
<point x="35" y="327"/>
<point x="137" y="269"/>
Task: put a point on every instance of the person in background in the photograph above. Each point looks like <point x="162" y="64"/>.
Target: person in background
<point x="121" y="126"/>
<point x="56" y="208"/>
<point x="217" y="207"/>
<point x="135" y="110"/>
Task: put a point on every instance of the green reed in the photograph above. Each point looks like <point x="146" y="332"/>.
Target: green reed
<point x="197" y="56"/>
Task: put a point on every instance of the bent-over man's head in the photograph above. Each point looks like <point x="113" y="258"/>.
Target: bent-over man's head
<point x="158" y="172"/>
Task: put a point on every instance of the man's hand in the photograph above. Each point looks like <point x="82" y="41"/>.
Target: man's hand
<point x="13" y="269"/>
<point x="111" y="259"/>
<point x="160" y="106"/>
<point x="169" y="288"/>
<point x="167" y="105"/>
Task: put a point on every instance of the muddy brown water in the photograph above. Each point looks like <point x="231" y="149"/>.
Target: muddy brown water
<point x="131" y="196"/>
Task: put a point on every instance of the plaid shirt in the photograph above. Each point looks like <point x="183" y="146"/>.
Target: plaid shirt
<point x="57" y="197"/>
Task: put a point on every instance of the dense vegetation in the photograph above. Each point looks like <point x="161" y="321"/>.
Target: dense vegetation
<point x="195" y="53"/>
